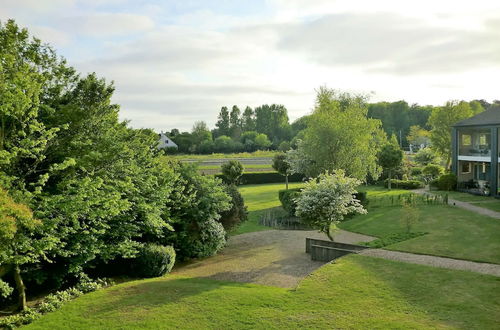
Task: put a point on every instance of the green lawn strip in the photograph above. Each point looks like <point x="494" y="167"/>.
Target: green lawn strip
<point x="356" y="292"/>
<point x="452" y="232"/>
<point x="258" y="199"/>
<point x="464" y="197"/>
<point x="256" y="154"/>
<point x="491" y="205"/>
<point x="247" y="168"/>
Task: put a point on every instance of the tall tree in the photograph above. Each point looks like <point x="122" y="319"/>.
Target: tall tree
<point x="441" y="121"/>
<point x="248" y="120"/>
<point x="272" y="120"/>
<point x="339" y="137"/>
<point x="200" y="133"/>
<point x="281" y="166"/>
<point x="223" y="124"/>
<point x="390" y="157"/>
<point x="235" y="122"/>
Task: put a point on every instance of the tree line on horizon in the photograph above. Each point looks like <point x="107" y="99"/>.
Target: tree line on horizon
<point x="268" y="127"/>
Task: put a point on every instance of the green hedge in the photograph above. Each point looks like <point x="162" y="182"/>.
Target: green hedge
<point x="447" y="182"/>
<point x="266" y="177"/>
<point x="404" y="184"/>
<point x="287" y="199"/>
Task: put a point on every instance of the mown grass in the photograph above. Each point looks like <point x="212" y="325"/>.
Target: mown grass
<point x="259" y="199"/>
<point x="262" y="153"/>
<point x="246" y="168"/>
<point x="356" y="292"/>
<point x="452" y="232"/>
<point x="486" y="202"/>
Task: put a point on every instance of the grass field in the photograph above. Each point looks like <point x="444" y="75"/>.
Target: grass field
<point x="354" y="293"/>
<point x="452" y="232"/>
<point x="255" y="154"/>
<point x="258" y="199"/>
<point x="481" y="201"/>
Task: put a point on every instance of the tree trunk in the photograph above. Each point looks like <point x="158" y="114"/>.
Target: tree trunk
<point x="389" y="183"/>
<point x="21" y="289"/>
<point x="329" y="234"/>
<point x="286" y="181"/>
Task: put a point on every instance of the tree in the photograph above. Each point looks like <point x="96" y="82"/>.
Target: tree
<point x="248" y="120"/>
<point x="238" y="211"/>
<point x="427" y="156"/>
<point x="223" y="144"/>
<point x="248" y="140"/>
<point x="262" y="142"/>
<point x="340" y="136"/>
<point x="272" y="120"/>
<point x="390" y="157"/>
<point x="325" y="201"/>
<point x="411" y="215"/>
<point x="200" y="133"/>
<point x="418" y="136"/>
<point x="432" y="171"/>
<point x="20" y="241"/>
<point x="223" y="124"/>
<point x="232" y="171"/>
<point x="235" y="123"/>
<point x="281" y="166"/>
<point x="441" y="121"/>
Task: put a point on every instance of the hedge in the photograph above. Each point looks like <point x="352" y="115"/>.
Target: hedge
<point x="287" y="199"/>
<point x="266" y="177"/>
<point x="404" y="184"/>
<point x="447" y="182"/>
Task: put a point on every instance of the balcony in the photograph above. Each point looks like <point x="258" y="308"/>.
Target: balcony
<point x="474" y="144"/>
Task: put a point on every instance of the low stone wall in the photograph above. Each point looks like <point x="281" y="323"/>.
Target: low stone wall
<point x="320" y="242"/>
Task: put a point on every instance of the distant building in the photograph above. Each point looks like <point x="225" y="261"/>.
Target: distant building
<point x="475" y="153"/>
<point x="165" y="142"/>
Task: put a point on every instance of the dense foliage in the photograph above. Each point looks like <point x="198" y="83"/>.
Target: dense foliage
<point x="238" y="211"/>
<point x="325" y="201"/>
<point x="97" y="188"/>
<point x="447" y="182"/>
<point x="288" y="199"/>
<point x="404" y="184"/>
<point x="153" y="260"/>
<point x="232" y="171"/>
<point x="389" y="158"/>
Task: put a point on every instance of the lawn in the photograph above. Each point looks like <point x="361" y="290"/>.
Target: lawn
<point x="452" y="232"/>
<point x="255" y="154"/>
<point x="258" y="199"/>
<point x="356" y="292"/>
<point x="487" y="202"/>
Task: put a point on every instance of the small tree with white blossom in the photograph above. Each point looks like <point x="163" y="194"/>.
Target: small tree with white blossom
<point x="325" y="201"/>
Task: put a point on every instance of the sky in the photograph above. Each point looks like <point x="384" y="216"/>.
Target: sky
<point x="177" y="62"/>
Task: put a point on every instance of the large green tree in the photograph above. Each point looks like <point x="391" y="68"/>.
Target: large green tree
<point x="223" y="123"/>
<point x="339" y="136"/>
<point x="390" y="158"/>
<point x="441" y="121"/>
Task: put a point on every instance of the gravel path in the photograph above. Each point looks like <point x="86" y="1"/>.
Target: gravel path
<point x="478" y="267"/>
<point x="272" y="257"/>
<point x="465" y="205"/>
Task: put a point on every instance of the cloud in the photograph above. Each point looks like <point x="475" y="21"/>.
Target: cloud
<point x="391" y="43"/>
<point x="106" y="24"/>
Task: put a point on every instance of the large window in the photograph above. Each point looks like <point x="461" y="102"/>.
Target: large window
<point x="474" y="142"/>
<point x="466" y="168"/>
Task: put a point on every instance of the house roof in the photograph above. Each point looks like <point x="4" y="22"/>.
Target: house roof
<point x="488" y="117"/>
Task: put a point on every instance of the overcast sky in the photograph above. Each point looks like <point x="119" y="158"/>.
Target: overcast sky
<point x="176" y="62"/>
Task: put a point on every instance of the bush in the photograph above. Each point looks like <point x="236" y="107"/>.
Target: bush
<point x="404" y="184"/>
<point x="231" y="171"/>
<point x="238" y="212"/>
<point x="432" y="171"/>
<point x="392" y="239"/>
<point x="414" y="171"/>
<point x="208" y="239"/>
<point x="266" y="177"/>
<point x="153" y="260"/>
<point x="447" y="182"/>
<point x="426" y="156"/>
<point x="362" y="197"/>
<point x="287" y="200"/>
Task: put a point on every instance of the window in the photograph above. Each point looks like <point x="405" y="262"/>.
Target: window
<point x="465" y="168"/>
<point x="467" y="140"/>
<point x="482" y="139"/>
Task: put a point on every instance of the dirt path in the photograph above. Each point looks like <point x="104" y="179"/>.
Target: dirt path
<point x="478" y="267"/>
<point x="465" y="205"/>
<point x="273" y="257"/>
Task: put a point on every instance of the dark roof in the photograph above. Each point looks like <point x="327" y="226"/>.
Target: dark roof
<point x="488" y="117"/>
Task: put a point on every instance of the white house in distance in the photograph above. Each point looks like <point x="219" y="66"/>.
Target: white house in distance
<point x="165" y="142"/>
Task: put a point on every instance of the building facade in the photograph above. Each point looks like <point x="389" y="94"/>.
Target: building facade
<point x="475" y="153"/>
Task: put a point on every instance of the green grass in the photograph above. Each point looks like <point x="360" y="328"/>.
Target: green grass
<point x="258" y="199"/>
<point x="487" y="202"/>
<point x="356" y="292"/>
<point x="268" y="153"/>
<point x="452" y="232"/>
<point x="247" y="168"/>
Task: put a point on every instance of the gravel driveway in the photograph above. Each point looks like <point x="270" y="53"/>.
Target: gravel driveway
<point x="272" y="257"/>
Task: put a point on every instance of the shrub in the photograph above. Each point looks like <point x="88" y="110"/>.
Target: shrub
<point x="238" y="212"/>
<point x="432" y="171"/>
<point x="392" y="239"/>
<point x="153" y="260"/>
<point x="426" y="156"/>
<point x="207" y="240"/>
<point x="232" y="171"/>
<point x="287" y="200"/>
<point x="447" y="182"/>
<point x="362" y="197"/>
<point x="266" y="177"/>
<point x="414" y="171"/>
<point x="404" y="184"/>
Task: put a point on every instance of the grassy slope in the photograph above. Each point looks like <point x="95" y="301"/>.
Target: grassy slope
<point x="258" y="199"/>
<point x="356" y="292"/>
<point x="453" y="232"/>
<point x="482" y="201"/>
